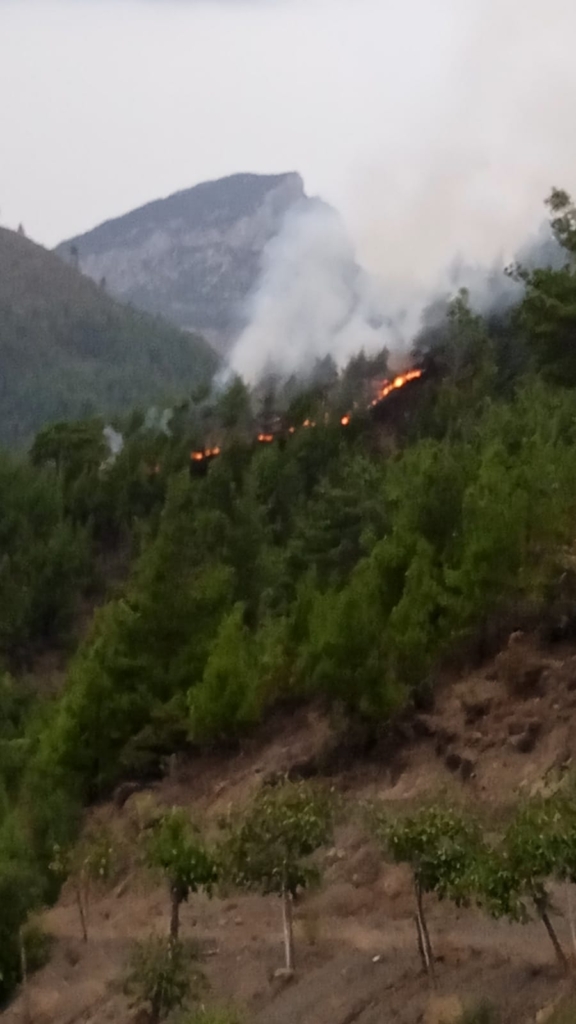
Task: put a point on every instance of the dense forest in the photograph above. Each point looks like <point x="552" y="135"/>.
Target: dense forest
<point x="69" y="350"/>
<point x="346" y="564"/>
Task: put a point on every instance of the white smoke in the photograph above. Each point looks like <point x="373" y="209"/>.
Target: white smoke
<point x="312" y="300"/>
<point x="114" y="440"/>
<point x="436" y="127"/>
<point x="158" y="420"/>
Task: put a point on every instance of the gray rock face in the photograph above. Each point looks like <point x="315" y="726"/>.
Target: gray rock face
<point x="193" y="257"/>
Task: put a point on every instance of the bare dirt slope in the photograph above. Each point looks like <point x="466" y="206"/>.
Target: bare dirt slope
<point x="499" y="733"/>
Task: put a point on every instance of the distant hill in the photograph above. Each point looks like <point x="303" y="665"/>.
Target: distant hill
<point x="195" y="256"/>
<point x="67" y="349"/>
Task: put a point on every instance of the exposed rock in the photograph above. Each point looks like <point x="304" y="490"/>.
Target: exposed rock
<point x="516" y="726"/>
<point x="283" y="974"/>
<point x="397" y="880"/>
<point x="562" y="674"/>
<point x="516" y="638"/>
<point x="532" y="678"/>
<point x="460" y="763"/>
<point x="467" y="768"/>
<point x="474" y="709"/>
<point x="365" y="866"/>
<point x="525" y="741"/>
<point x="444" y="738"/>
<point x="141" y="1016"/>
<point x="343" y="899"/>
<point x="124" y="791"/>
<point x="195" y="256"/>
<point x="143" y="810"/>
<point x="520" y="671"/>
<point x="453" y="761"/>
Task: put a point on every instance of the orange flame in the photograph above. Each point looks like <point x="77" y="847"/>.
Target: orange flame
<point x="345" y="420"/>
<point x="398" y="382"/>
<point x="309" y="423"/>
<point x="197" y="456"/>
<point x="291" y="430"/>
<point x="213" y="451"/>
<point x="265" y="438"/>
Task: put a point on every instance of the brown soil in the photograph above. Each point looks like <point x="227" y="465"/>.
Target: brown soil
<point x="493" y="736"/>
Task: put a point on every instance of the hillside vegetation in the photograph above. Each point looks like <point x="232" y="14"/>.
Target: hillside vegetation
<point x="347" y="566"/>
<point x="67" y="350"/>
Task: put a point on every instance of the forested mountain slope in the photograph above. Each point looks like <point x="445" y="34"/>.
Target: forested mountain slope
<point x="316" y="552"/>
<point x="67" y="349"/>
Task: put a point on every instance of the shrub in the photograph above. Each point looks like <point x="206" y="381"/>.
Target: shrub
<point x="161" y="975"/>
<point x="520" y="670"/>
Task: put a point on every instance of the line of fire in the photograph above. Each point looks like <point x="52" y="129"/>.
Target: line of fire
<point x="277" y="431"/>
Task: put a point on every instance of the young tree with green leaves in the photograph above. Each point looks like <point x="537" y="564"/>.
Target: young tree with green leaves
<point x="176" y="847"/>
<point x="87" y="864"/>
<point x="539" y="844"/>
<point x="440" y="846"/>
<point x="267" y="849"/>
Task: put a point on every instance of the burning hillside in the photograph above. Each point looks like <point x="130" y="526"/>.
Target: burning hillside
<point x="279" y="430"/>
<point x="387" y="387"/>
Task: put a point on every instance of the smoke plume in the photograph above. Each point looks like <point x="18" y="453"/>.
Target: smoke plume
<point x="114" y="440"/>
<point x="436" y="128"/>
<point x="312" y="300"/>
<point x="158" y="420"/>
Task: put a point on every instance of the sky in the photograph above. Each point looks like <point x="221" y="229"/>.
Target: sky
<point x="436" y="127"/>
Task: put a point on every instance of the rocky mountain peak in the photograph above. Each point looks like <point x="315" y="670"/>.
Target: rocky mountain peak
<point x="193" y="257"/>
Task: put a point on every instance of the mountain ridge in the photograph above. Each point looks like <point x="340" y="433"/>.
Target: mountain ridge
<point x="193" y="257"/>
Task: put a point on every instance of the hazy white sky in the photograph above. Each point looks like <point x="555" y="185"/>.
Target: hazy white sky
<point x="435" y="126"/>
